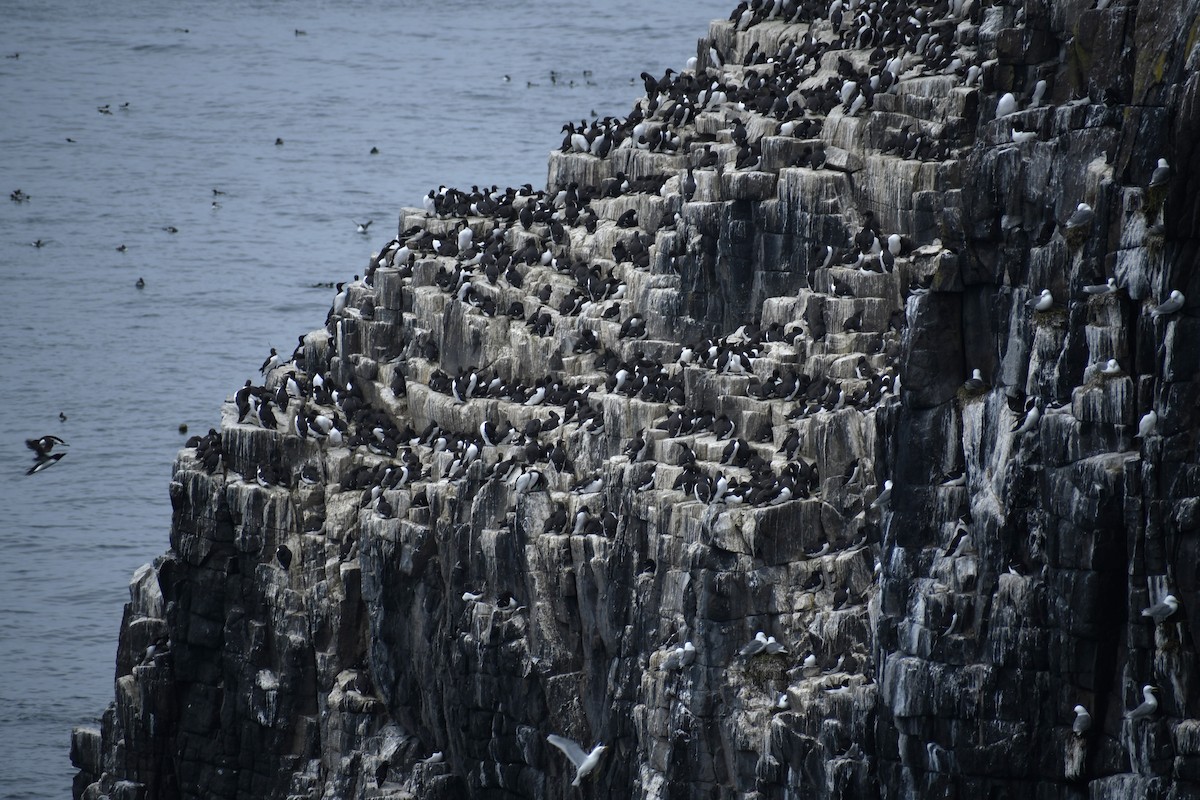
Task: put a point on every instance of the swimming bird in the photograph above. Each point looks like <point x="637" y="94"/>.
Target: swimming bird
<point x="1161" y="611"/>
<point x="585" y="763"/>
<point x="1083" y="721"/>
<point x="361" y="227"/>
<point x="1173" y="303"/>
<point x="1148" y="707"/>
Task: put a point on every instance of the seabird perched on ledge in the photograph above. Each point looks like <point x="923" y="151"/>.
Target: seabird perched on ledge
<point x="1148" y="707"/>
<point x="1161" y="611"/>
<point x="1083" y="721"/>
<point x="1173" y="303"/>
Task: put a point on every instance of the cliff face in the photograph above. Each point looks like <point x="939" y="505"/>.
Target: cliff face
<point x="388" y="599"/>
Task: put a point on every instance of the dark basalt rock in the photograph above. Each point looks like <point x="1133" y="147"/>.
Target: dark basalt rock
<point x="450" y="600"/>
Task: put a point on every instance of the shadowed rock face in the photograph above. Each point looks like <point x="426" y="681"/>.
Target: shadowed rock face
<point x="694" y="411"/>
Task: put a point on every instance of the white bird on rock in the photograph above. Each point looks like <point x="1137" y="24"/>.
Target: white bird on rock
<point x="680" y="657"/>
<point x="1111" y="367"/>
<point x="1148" y="425"/>
<point x="1161" y="174"/>
<point x="1007" y="105"/>
<point x="1160" y="612"/>
<point x="1043" y="302"/>
<point x="885" y="497"/>
<point x="773" y="647"/>
<point x="585" y="763"/>
<point x="757" y="645"/>
<point x="1149" y="704"/>
<point x="1081" y="218"/>
<point x="1083" y="721"/>
<point x="1169" y="306"/>
<point x="1102" y="288"/>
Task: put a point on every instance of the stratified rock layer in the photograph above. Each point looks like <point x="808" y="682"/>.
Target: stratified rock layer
<point x="696" y="407"/>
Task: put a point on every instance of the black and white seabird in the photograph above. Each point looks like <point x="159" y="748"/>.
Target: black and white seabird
<point x="44" y="462"/>
<point x="1029" y="420"/>
<point x="361" y="227"/>
<point x="42" y="446"/>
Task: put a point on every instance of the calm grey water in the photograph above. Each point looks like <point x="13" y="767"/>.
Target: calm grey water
<point x="210" y="86"/>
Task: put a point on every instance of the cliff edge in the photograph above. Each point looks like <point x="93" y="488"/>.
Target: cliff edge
<point x="825" y="428"/>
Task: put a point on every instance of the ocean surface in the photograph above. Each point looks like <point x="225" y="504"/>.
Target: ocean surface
<point x="456" y="92"/>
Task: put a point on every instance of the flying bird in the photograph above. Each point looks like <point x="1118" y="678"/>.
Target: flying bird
<point x="585" y="763"/>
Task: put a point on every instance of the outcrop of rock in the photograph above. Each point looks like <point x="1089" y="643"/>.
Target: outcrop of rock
<point x="752" y="447"/>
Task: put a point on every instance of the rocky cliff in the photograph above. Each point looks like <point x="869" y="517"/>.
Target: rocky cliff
<point x="823" y="429"/>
